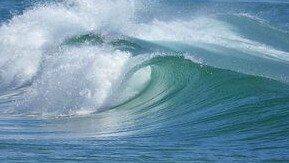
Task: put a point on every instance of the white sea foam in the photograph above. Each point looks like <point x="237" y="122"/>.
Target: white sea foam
<point x="78" y="79"/>
<point x="25" y="40"/>
<point x="68" y="79"/>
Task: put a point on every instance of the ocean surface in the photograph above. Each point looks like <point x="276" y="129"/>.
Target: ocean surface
<point x="144" y="81"/>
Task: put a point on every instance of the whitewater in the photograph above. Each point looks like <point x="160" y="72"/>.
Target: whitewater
<point x="144" y="81"/>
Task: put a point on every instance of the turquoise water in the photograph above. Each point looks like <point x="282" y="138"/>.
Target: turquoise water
<point x="144" y="81"/>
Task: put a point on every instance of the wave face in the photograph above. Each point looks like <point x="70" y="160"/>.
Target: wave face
<point x="140" y="81"/>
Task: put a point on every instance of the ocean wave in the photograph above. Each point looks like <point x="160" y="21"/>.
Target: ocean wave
<point x="75" y="58"/>
<point x="184" y="84"/>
